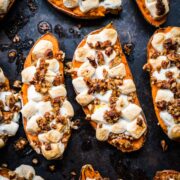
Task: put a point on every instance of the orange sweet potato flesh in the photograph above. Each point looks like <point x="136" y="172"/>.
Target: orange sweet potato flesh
<point x="4" y="172"/>
<point x="154" y="88"/>
<point x="9" y="7"/>
<point x="76" y="13"/>
<point x="29" y="62"/>
<point x="119" y="142"/>
<point x="147" y="15"/>
<point x="166" y="175"/>
<point x="87" y="171"/>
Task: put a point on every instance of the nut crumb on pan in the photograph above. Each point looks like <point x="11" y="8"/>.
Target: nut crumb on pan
<point x="20" y="144"/>
<point x="164" y="145"/>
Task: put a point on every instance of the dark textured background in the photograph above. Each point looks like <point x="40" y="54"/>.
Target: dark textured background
<point x="83" y="147"/>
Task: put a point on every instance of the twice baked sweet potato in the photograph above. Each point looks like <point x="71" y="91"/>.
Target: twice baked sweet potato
<point x="167" y="175"/>
<point x="106" y="91"/>
<point x="163" y="64"/>
<point x="87" y="172"/>
<point x="46" y="111"/>
<point x="154" y="12"/>
<point x="87" y="9"/>
<point x="5" y="6"/>
<point x="9" y="110"/>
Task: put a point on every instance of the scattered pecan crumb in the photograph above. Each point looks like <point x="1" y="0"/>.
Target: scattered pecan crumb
<point x="164" y="145"/>
<point x="52" y="167"/>
<point x="20" y="144"/>
<point x="17" y="84"/>
<point x="128" y="47"/>
<point x="35" y="161"/>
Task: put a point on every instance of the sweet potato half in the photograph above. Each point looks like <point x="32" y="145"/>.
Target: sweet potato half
<point x="9" y="7"/>
<point x="87" y="171"/>
<point x="147" y="16"/>
<point x="4" y="172"/>
<point x="154" y="87"/>
<point x="167" y="175"/>
<point x="76" y="13"/>
<point x="33" y="139"/>
<point x="122" y="143"/>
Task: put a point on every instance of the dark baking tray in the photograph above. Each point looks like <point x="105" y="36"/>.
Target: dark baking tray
<point x="83" y="147"/>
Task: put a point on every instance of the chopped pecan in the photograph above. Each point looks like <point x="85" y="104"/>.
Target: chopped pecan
<point x="169" y="74"/>
<point x="109" y="51"/>
<point x="60" y="56"/>
<point x="155" y="54"/>
<point x="161" y="104"/>
<point x="173" y="108"/>
<point x="160" y="8"/>
<point x="163" y="84"/>
<point x="49" y="53"/>
<point x="170" y="45"/>
<point x="100" y="58"/>
<point x="112" y="116"/>
<point x="92" y="61"/>
<point x="10" y="100"/>
<point x="43" y="124"/>
<point x="58" y="80"/>
<point x="164" y="64"/>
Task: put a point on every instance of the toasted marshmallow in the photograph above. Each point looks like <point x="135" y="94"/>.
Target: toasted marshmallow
<point x="86" y="5"/>
<point x="164" y="95"/>
<point x="70" y="3"/>
<point x="121" y="103"/>
<point x="167" y="118"/>
<point x="25" y="171"/>
<point x="119" y="127"/>
<point x="57" y="91"/>
<point x="102" y="134"/>
<point x="155" y="63"/>
<point x="53" y="65"/>
<point x="29" y="109"/>
<point x="104" y="97"/>
<point x="157" y="41"/>
<point x="40" y="49"/>
<point x="118" y="71"/>
<point x="135" y="129"/>
<point x="82" y="54"/>
<point x="111" y="4"/>
<point x="55" y="151"/>
<point x="32" y="126"/>
<point x="44" y="107"/>
<point x="128" y="86"/>
<point x="54" y="136"/>
<point x="67" y="109"/>
<point x="174" y="132"/>
<point x="80" y="85"/>
<point x="105" y="35"/>
<point x="84" y="99"/>
<point x="131" y="112"/>
<point x="28" y="74"/>
<point x="2" y="77"/>
<point x="98" y="115"/>
<point x="4" y="6"/>
<point x="86" y="70"/>
<point x="9" y="129"/>
<point x="50" y="76"/>
<point x="33" y="94"/>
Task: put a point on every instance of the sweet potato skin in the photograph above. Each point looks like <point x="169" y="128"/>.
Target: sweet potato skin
<point x="121" y="142"/>
<point x="76" y="13"/>
<point x="154" y="88"/>
<point x="147" y="16"/>
<point x="166" y="175"/>
<point x="9" y="7"/>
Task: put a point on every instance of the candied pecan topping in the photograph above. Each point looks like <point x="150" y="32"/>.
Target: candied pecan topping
<point x="43" y="124"/>
<point x="116" y="61"/>
<point x="58" y="80"/>
<point x="49" y="53"/>
<point x="160" y="8"/>
<point x="170" y="45"/>
<point x="163" y="84"/>
<point x="108" y="51"/>
<point x="173" y="108"/>
<point x="112" y="116"/>
<point x="60" y="56"/>
<point x="155" y="54"/>
<point x="169" y="74"/>
<point x="100" y="58"/>
<point x="161" y="104"/>
<point x="105" y="73"/>
<point x="164" y="64"/>
<point x="92" y="61"/>
<point x="101" y="45"/>
<point x="139" y="121"/>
